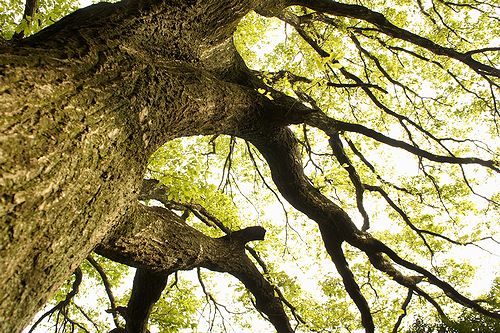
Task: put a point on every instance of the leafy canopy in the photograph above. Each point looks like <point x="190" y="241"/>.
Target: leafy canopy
<point x="442" y="216"/>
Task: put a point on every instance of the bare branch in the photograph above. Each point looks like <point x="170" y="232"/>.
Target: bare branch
<point x="345" y="162"/>
<point x="65" y="302"/>
<point x="79" y="308"/>
<point x="263" y="179"/>
<point x="403" y="308"/>
<point x="107" y="287"/>
<point x="330" y="126"/>
<point x="402" y="214"/>
<point x="483" y="50"/>
<point x="226" y="169"/>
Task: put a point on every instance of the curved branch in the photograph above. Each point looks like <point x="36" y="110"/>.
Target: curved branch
<point x="151" y="248"/>
<point x="153" y="190"/>
<point x="279" y="147"/>
<point x="381" y="22"/>
<point x="62" y="304"/>
<point x="280" y="150"/>
<point x="403" y="308"/>
<point x="330" y="126"/>
<point x="107" y="287"/>
<point x="345" y="162"/>
<point x="287" y="17"/>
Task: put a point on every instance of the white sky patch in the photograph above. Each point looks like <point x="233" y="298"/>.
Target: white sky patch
<point x="84" y="3"/>
<point x="487" y="264"/>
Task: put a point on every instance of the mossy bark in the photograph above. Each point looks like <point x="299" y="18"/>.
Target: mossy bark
<point x="83" y="104"/>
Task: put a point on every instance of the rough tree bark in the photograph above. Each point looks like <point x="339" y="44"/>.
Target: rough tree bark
<point x="87" y="100"/>
<point x="84" y="103"/>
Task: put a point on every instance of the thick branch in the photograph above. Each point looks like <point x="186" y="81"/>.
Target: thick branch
<point x="146" y="291"/>
<point x="164" y="243"/>
<point x="334" y="249"/>
<point x="153" y="190"/>
<point x="30" y="8"/>
<point x="279" y="148"/>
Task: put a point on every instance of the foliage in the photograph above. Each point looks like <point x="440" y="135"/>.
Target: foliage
<point x="176" y="308"/>
<point x="49" y="11"/>
<point x="467" y="321"/>
<point x="425" y="210"/>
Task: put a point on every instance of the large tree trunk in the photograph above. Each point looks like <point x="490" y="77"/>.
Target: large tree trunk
<point x="85" y="102"/>
<point x="83" y="105"/>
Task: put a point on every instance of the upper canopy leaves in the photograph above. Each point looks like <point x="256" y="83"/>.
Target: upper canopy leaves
<point x="396" y="134"/>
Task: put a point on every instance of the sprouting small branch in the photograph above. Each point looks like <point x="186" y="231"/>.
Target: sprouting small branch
<point x="226" y="169"/>
<point x="403" y="309"/>
<point x="79" y="308"/>
<point x="64" y="303"/>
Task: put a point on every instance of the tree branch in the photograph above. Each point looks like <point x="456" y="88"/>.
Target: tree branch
<point x="288" y="17"/>
<point x="333" y="246"/>
<point x="65" y="302"/>
<point x="345" y="162"/>
<point x="330" y="126"/>
<point x="153" y="190"/>
<point x="280" y="150"/>
<point x="146" y="291"/>
<point x="165" y="233"/>
<point x="403" y="308"/>
<point x="381" y="22"/>
<point x="107" y="287"/>
<point x="30" y="9"/>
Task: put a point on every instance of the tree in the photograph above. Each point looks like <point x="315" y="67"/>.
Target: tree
<point x="87" y="100"/>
